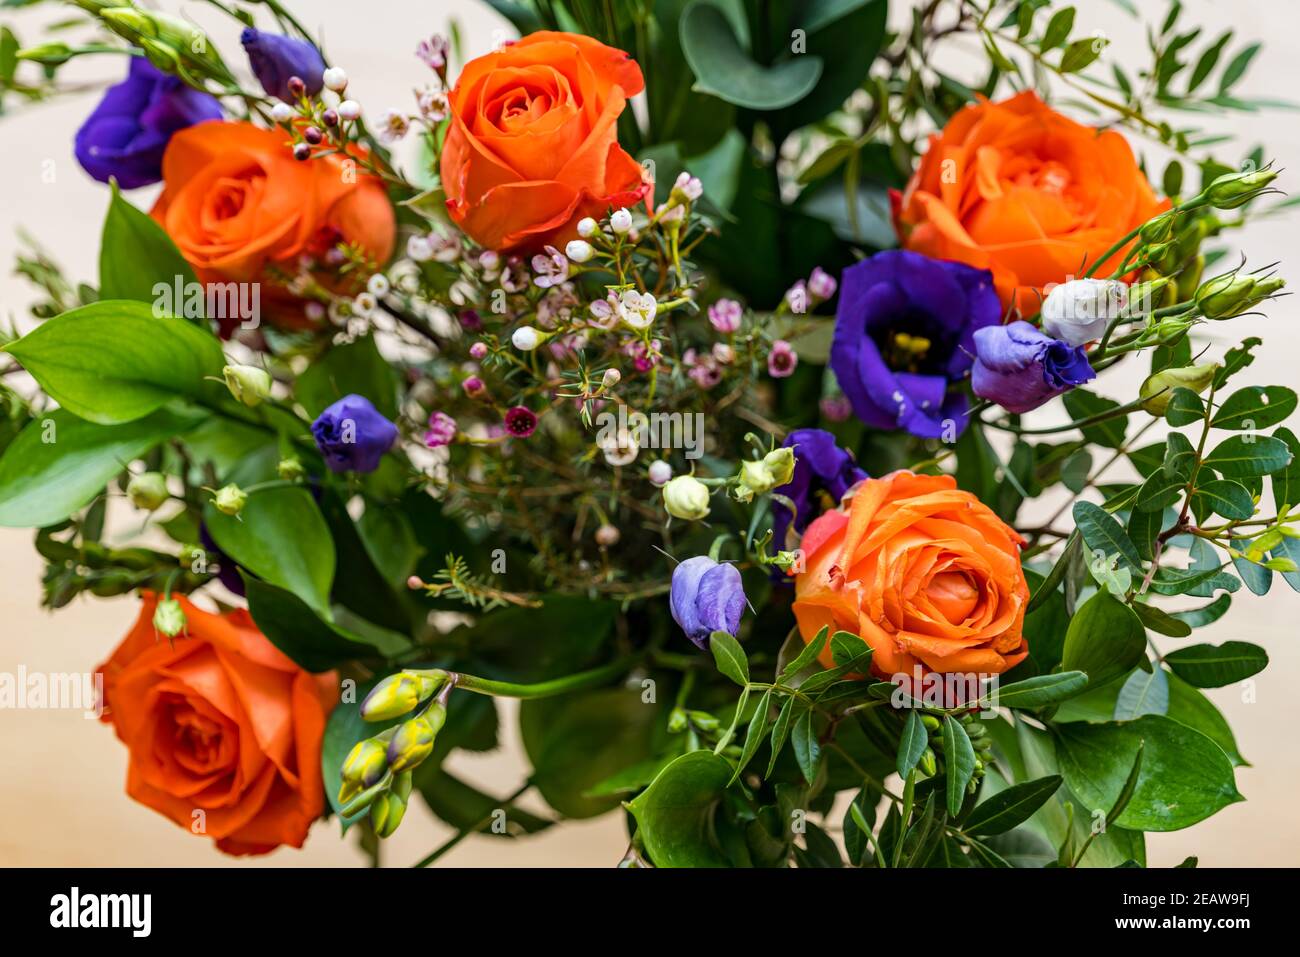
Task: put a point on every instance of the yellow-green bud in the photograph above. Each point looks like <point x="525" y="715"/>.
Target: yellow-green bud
<point x="290" y="470"/>
<point x="687" y="498"/>
<point x="230" y="499"/>
<point x="929" y="764"/>
<point x="762" y="475"/>
<point x="248" y="384"/>
<point x="386" y="814"/>
<point x="148" y="490"/>
<point x="413" y="741"/>
<point x="1236" y="189"/>
<point x="393" y="697"/>
<point x="167" y="41"/>
<point x="1231" y="294"/>
<point x="47" y="54"/>
<point x="1159" y="229"/>
<point x="169" y="617"/>
<point x="1148" y="296"/>
<point x="366" y="763"/>
<point x="1158" y="389"/>
<point x="402" y="785"/>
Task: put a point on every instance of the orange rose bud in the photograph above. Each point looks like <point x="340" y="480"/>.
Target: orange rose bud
<point x="533" y="144"/>
<point x="237" y="204"/>
<point x="1019" y="189"/>
<point x="223" y="731"/>
<point x="926" y="573"/>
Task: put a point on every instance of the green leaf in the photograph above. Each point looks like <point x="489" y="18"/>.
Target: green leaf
<point x="807" y="656"/>
<point x="730" y="657"/>
<point x="780" y="732"/>
<point x="315" y="643"/>
<point x="1105" y="640"/>
<point x="1145" y="692"/>
<point x="1286" y="481"/>
<point x="1205" y="66"/>
<point x="1185" y="407"/>
<point x="959" y="762"/>
<point x="356" y="368"/>
<point x="1040" y="690"/>
<point x="674" y="815"/>
<point x="1224" y="497"/>
<point x="1237" y="68"/>
<point x="1185" y="777"/>
<point x="1213" y="666"/>
<point x="1180" y="456"/>
<point x="1012" y="807"/>
<point x="1058" y="29"/>
<point x="724" y="69"/>
<point x="465" y="807"/>
<point x="136" y="254"/>
<point x="1244" y="455"/>
<point x="280" y="537"/>
<point x="1236" y="359"/>
<point x="113" y="362"/>
<point x="912" y="744"/>
<point x="1189" y="706"/>
<point x="1206" y="614"/>
<point x="807" y="749"/>
<point x="1130" y="787"/>
<point x="576" y="741"/>
<point x="1080" y="53"/>
<point x="1254" y="408"/>
<point x="1082" y="404"/>
<point x="1160" y="621"/>
<point x="58" y="462"/>
<point x="847" y="648"/>
<point x="754" y="735"/>
<point x="1102" y="533"/>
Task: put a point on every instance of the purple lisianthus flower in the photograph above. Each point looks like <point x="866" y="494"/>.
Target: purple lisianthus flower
<point x="903" y="332"/>
<point x="352" y="435"/>
<point x="128" y="131"/>
<point x="706" y="596"/>
<point x="820" y="465"/>
<point x="274" y="58"/>
<point x="1020" y="368"/>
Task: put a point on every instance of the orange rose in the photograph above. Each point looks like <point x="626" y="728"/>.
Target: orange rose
<point x="923" y="571"/>
<point x="236" y="203"/>
<point x="1019" y="189"/>
<point x="533" y="143"/>
<point x="218" y="720"/>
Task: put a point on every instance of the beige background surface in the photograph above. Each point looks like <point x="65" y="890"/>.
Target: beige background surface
<point x="61" y="790"/>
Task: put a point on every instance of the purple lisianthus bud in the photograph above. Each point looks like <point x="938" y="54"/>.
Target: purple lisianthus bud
<point x="128" y="131"/>
<point x="1019" y="368"/>
<point x="352" y="435"/>
<point x="820" y="465"/>
<point x="276" y="58"/>
<point x="706" y="596"/>
<point x="904" y="331"/>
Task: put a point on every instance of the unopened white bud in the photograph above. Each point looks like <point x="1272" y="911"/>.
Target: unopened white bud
<point x="1078" y="311"/>
<point x="349" y="110"/>
<point x="526" y="338"/>
<point x="610" y="378"/>
<point x="282" y="112"/>
<point x="586" y="228"/>
<point x="620" y="221"/>
<point x="335" y="79"/>
<point x="579" y="250"/>
<point x="660" y="472"/>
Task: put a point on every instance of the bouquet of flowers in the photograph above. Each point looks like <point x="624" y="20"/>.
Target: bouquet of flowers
<point x="677" y="380"/>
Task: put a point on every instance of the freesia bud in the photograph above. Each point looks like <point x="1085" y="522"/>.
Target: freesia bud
<point x="1079" y="311"/>
<point x="169" y="617"/>
<point x="365" y="764"/>
<point x="1158" y="389"/>
<point x="248" y="384"/>
<point x="230" y="499"/>
<point x="396" y="695"/>
<point x="386" y="814"/>
<point x="687" y="498"/>
<point x="148" y="490"/>
<point x="413" y="741"/>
